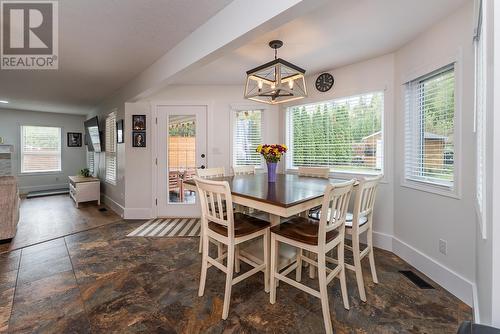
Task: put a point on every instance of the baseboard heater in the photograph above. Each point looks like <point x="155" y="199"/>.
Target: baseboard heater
<point x="52" y="192"/>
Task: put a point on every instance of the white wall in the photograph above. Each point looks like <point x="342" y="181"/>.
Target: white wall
<point x="422" y="218"/>
<point x="376" y="74"/>
<point x="220" y="100"/>
<point x="73" y="158"/>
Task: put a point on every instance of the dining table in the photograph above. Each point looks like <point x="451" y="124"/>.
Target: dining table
<point x="290" y="195"/>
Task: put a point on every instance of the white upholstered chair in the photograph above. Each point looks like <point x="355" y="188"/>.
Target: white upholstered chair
<point x="318" y="239"/>
<point x="230" y="229"/>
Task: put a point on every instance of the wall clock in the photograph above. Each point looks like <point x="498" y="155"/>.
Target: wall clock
<point x="324" y="82"/>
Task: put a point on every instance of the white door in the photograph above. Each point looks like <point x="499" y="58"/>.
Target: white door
<point x="181" y="148"/>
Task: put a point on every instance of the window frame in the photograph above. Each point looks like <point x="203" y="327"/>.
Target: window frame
<point x="243" y="107"/>
<point x="425" y="72"/>
<point x="344" y="174"/>
<point x="110" y="154"/>
<point x="21" y="153"/>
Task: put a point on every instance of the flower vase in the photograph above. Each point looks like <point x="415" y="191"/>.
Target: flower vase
<point x="271" y="171"/>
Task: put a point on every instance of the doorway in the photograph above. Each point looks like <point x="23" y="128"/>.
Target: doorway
<point x="181" y="148"/>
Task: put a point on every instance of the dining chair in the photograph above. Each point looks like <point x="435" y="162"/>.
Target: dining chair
<point x="319" y="239"/>
<point x="358" y="222"/>
<point x="243" y="170"/>
<point x="208" y="173"/>
<point x="230" y="229"/>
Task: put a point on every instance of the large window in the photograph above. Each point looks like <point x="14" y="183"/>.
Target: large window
<point x="429" y="129"/>
<point x="40" y="149"/>
<point x="247" y="135"/>
<point x="111" y="148"/>
<point x="345" y="134"/>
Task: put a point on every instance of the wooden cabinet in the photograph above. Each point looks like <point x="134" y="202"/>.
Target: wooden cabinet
<point x="85" y="189"/>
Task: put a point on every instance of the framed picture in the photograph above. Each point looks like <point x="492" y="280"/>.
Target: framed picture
<point x="74" y="139"/>
<point x="139" y="139"/>
<point x="138" y="122"/>
<point x="119" y="132"/>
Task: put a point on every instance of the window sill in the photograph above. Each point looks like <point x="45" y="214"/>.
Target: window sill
<point x="40" y="173"/>
<point x="345" y="175"/>
<point x="431" y="188"/>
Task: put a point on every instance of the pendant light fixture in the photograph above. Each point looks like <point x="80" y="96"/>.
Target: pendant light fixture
<point x="277" y="81"/>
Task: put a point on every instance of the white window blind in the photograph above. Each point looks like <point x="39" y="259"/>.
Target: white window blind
<point x="90" y="162"/>
<point x="345" y="134"/>
<point x="111" y="148"/>
<point x="40" y="149"/>
<point x="480" y="111"/>
<point x="429" y="128"/>
<point x="247" y="135"/>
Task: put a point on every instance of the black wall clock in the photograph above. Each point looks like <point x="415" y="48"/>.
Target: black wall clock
<point x="324" y="82"/>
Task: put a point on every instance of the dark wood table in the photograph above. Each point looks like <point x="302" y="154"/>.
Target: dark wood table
<point x="289" y="195"/>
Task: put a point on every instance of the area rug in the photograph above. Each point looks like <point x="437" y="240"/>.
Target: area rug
<point x="168" y="227"/>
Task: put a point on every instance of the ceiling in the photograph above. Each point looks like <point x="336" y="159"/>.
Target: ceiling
<point x="340" y="33"/>
<point x="103" y="44"/>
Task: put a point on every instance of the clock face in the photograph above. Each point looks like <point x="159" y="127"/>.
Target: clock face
<point x="324" y="82"/>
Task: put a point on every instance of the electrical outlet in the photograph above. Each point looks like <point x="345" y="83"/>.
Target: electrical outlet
<point x="443" y="246"/>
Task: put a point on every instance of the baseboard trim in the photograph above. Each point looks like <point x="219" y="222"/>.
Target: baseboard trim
<point x="475" y="307"/>
<point x="26" y="189"/>
<point x="447" y="278"/>
<point x="382" y="240"/>
<point x="113" y="205"/>
<point x="137" y="213"/>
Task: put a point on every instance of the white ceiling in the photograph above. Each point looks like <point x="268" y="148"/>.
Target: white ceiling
<point x="103" y="44"/>
<point x="340" y="33"/>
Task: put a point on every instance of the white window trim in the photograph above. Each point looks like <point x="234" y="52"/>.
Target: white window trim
<point x="110" y="181"/>
<point x="233" y="109"/>
<point x="344" y="174"/>
<point x="455" y="191"/>
<point x="21" y="154"/>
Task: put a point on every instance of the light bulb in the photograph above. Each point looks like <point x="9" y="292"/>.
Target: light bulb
<point x="273" y="86"/>
<point x="290" y="84"/>
<point x="259" y="84"/>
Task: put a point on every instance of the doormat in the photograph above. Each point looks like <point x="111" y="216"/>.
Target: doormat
<point x="168" y="227"/>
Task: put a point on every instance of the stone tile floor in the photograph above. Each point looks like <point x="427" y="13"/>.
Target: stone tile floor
<point x="100" y="281"/>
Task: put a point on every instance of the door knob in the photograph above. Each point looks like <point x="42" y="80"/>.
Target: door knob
<point x="202" y="167"/>
<point x="203" y="155"/>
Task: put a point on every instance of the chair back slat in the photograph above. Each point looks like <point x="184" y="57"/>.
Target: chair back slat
<point x="244" y="170"/>
<point x="365" y="199"/>
<point x="210" y="172"/>
<point x="336" y="202"/>
<point x="323" y="172"/>
<point x="216" y="203"/>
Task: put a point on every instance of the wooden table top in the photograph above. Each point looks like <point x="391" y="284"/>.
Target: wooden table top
<point x="287" y="191"/>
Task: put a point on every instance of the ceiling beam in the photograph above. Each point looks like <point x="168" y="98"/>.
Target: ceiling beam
<point x="233" y="26"/>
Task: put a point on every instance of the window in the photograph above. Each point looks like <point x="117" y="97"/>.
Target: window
<point x="110" y="151"/>
<point x="480" y="111"/>
<point x="429" y="129"/>
<point x="40" y="149"/>
<point x="345" y="134"/>
<point x="90" y="162"/>
<point x="247" y="135"/>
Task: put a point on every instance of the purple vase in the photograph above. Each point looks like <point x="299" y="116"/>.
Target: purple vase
<point x="271" y="171"/>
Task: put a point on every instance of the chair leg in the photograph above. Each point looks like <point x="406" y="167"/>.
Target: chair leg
<point x="371" y="257"/>
<point x="298" y="271"/>
<point x="274" y="264"/>
<point x="343" y="285"/>
<point x="229" y="282"/>
<point x="312" y="269"/>
<point x="204" y="267"/>
<point x="220" y="251"/>
<point x="324" y="293"/>
<point x="357" y="266"/>
<point x="237" y="258"/>
<point x="200" y="247"/>
<point x="266" y="259"/>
